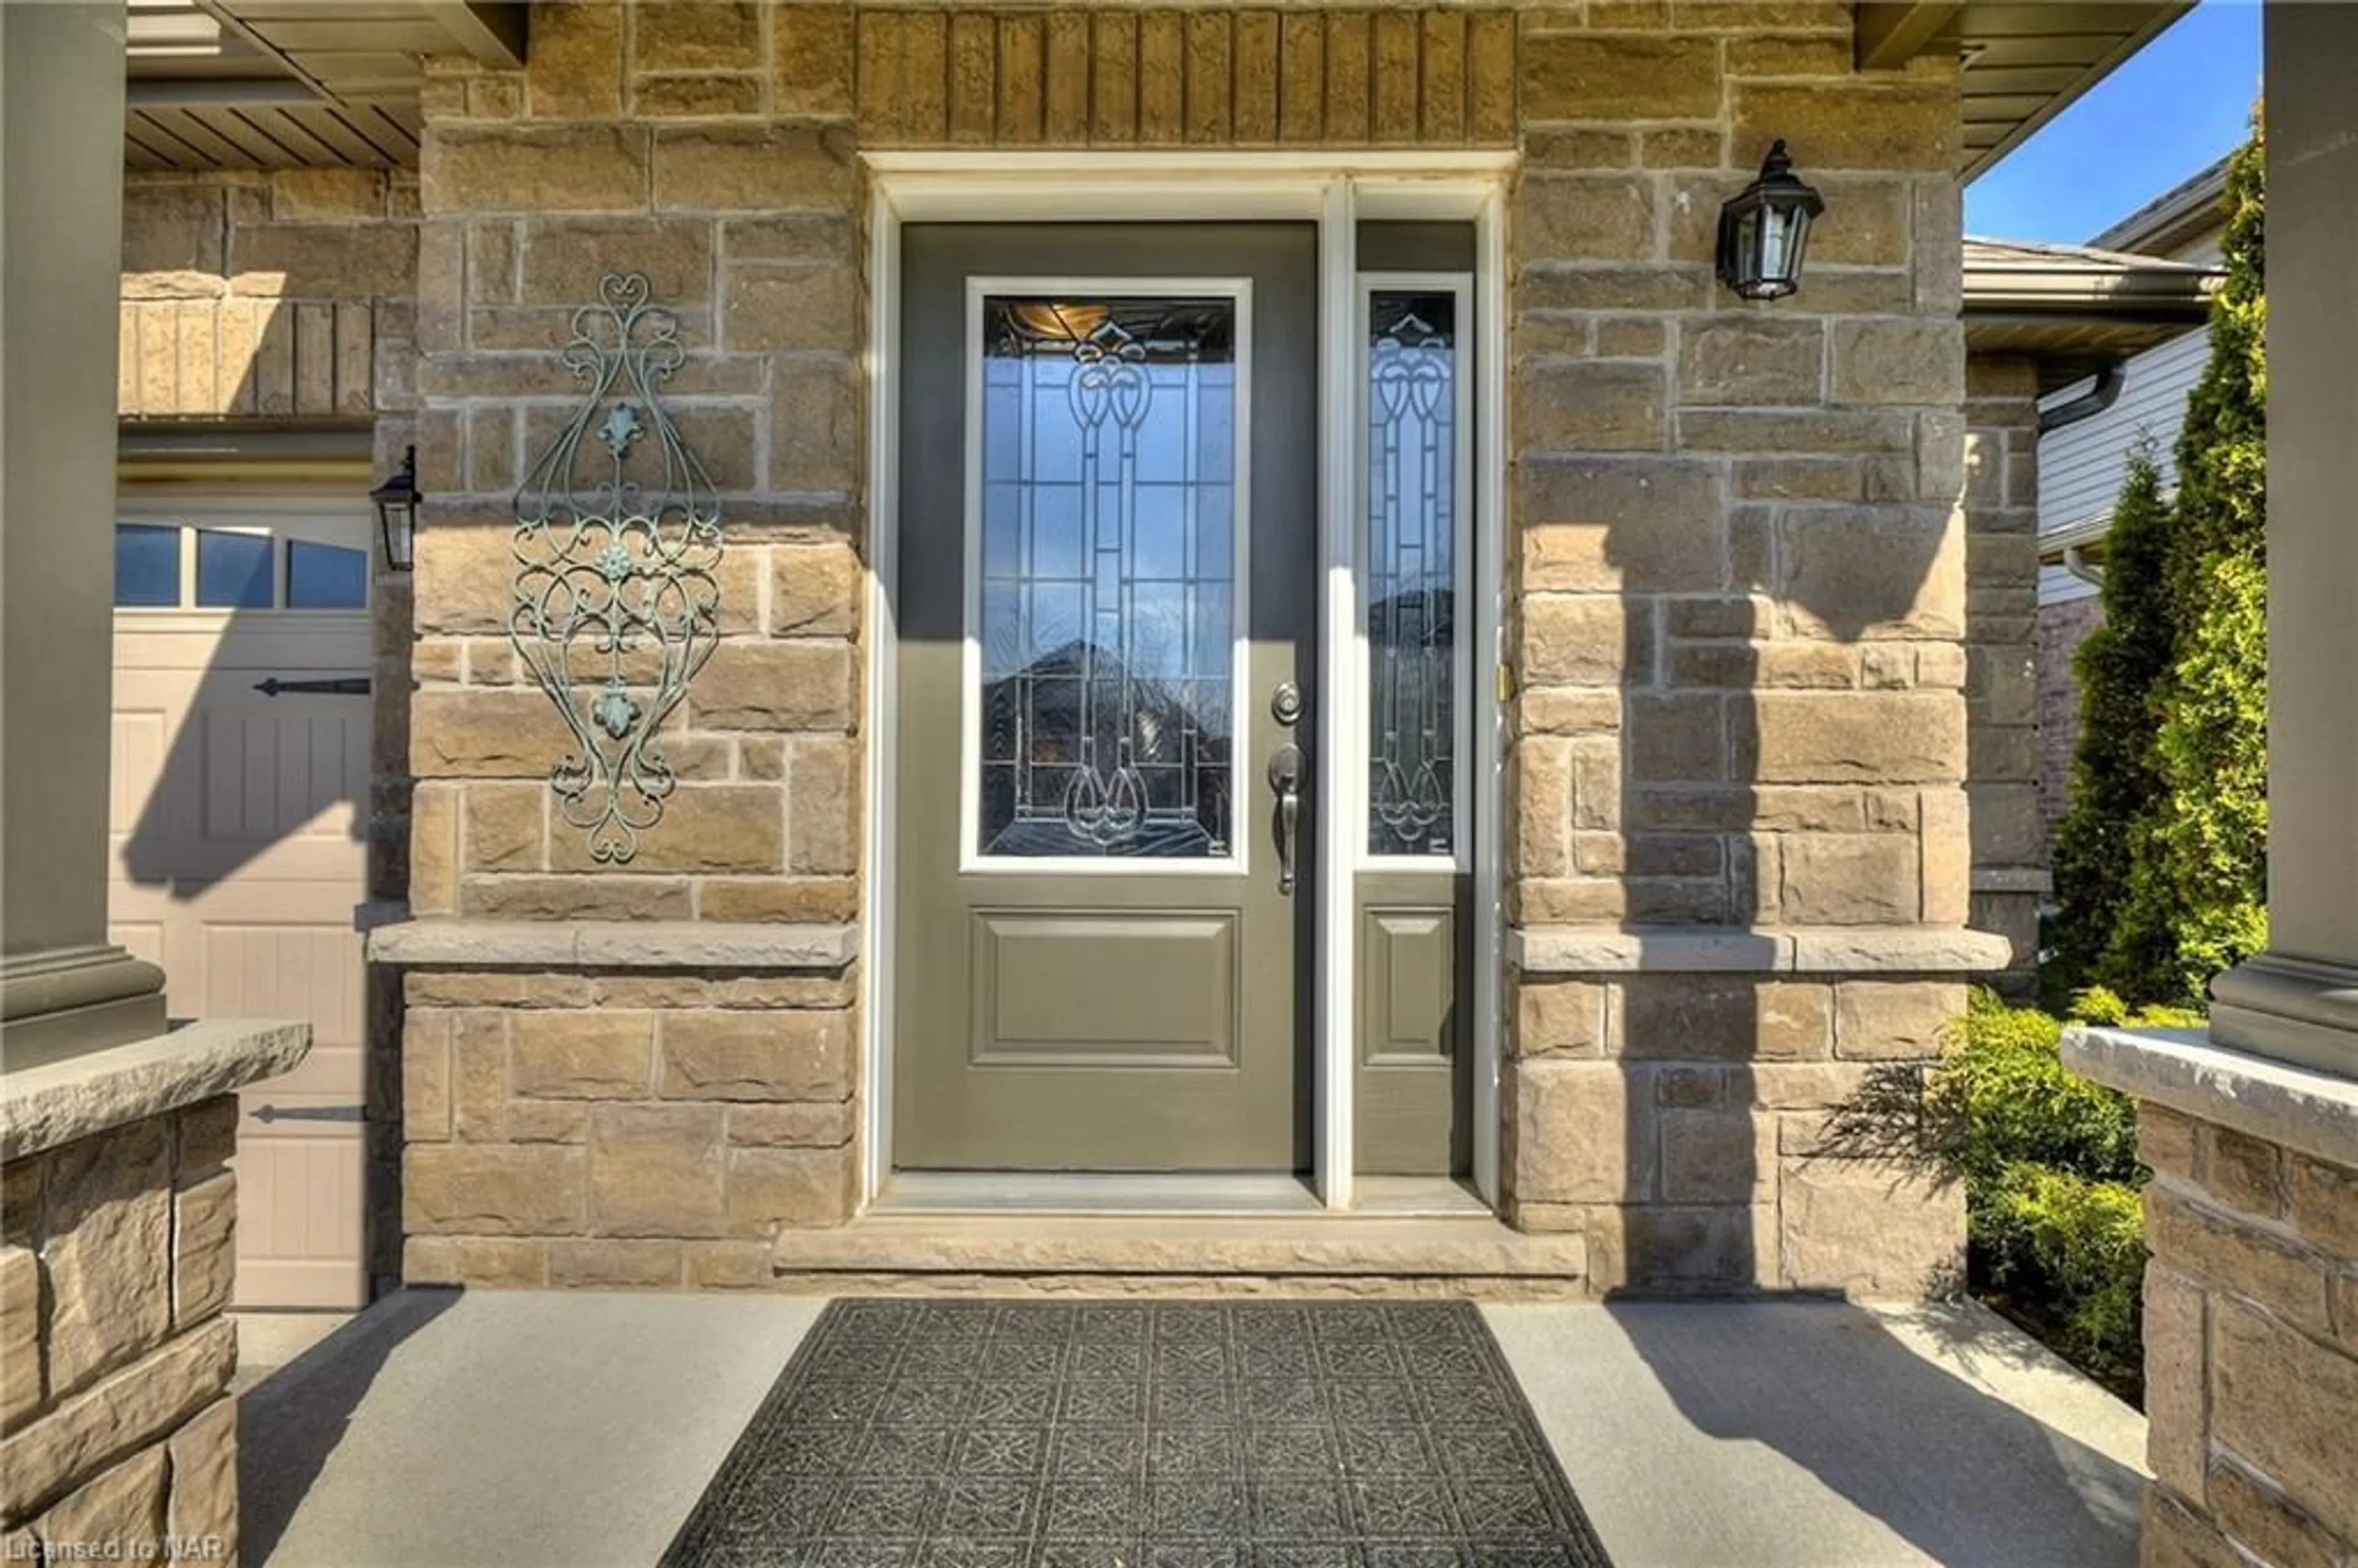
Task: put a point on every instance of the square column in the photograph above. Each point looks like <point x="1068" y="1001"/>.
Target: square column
<point x="64" y="989"/>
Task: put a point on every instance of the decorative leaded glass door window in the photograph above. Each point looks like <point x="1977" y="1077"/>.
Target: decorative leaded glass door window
<point x="1104" y="571"/>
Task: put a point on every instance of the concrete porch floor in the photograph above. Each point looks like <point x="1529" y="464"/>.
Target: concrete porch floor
<point x="579" y="1428"/>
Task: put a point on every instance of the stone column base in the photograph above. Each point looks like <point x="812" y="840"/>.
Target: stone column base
<point x="2251" y="1299"/>
<point x="1737" y="1110"/>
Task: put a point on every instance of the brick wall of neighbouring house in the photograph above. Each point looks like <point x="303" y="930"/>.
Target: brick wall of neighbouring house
<point x="1738" y="549"/>
<point x="116" y="1428"/>
<point x="290" y="297"/>
<point x="2251" y="1347"/>
<point x="2061" y="628"/>
<point x="2002" y="698"/>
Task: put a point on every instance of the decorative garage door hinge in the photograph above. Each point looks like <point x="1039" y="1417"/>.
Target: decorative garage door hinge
<point x="617" y="538"/>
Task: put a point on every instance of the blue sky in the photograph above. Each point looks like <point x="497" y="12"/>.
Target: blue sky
<point x="2176" y="106"/>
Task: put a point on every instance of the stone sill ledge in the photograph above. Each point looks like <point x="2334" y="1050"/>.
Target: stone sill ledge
<point x="1763" y="950"/>
<point x="2181" y="1070"/>
<point x="57" y="1102"/>
<point x="613" y="945"/>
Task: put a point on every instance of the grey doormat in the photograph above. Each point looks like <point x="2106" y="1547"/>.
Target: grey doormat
<point x="1143" y="1434"/>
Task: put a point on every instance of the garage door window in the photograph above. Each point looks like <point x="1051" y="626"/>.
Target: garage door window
<point x="168" y="566"/>
<point x="146" y="566"/>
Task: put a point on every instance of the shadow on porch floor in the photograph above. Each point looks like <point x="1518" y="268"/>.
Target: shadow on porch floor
<point x="522" y="1428"/>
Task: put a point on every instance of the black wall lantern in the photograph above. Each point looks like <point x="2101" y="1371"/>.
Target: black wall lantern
<point x="1763" y="232"/>
<point x="396" y="513"/>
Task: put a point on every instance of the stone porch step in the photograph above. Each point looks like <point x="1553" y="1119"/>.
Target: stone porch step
<point x="1274" y="1247"/>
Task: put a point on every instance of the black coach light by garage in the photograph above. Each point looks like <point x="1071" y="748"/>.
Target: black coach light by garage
<point x="1763" y="232"/>
<point x="396" y="513"/>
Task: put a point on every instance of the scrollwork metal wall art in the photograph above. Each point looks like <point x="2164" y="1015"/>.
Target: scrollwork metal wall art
<point x="617" y="538"/>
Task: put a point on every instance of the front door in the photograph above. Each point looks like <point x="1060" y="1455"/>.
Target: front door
<point x="1108" y="616"/>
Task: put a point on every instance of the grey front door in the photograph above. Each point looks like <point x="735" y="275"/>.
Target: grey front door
<point x="1107" y="590"/>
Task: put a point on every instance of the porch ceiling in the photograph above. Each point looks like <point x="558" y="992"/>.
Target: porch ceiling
<point x="295" y="83"/>
<point x="329" y="83"/>
<point x="2025" y="60"/>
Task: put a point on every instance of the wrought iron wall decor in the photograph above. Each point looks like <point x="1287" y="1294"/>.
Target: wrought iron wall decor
<point x="617" y="536"/>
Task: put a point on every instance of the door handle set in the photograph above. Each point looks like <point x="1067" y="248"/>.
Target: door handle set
<point x="1286" y="777"/>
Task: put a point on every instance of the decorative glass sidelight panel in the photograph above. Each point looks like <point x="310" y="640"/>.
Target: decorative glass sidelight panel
<point x="1108" y="583"/>
<point x="1412" y="572"/>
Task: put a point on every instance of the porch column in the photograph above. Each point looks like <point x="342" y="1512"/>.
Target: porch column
<point x="63" y="987"/>
<point x="2252" y="1129"/>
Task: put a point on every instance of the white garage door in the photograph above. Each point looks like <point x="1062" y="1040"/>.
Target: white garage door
<point x="238" y="818"/>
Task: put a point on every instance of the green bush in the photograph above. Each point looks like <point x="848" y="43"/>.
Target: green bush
<point x="2051" y="1174"/>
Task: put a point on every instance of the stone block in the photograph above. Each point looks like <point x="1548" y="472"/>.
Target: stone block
<point x="1541" y="788"/>
<point x="2243" y="1172"/>
<point x="1717" y="1156"/>
<point x="537" y="170"/>
<point x="207" y="1131"/>
<point x="21" y="1391"/>
<point x="1578" y="1133"/>
<point x="698" y="36"/>
<point x="811" y="58"/>
<point x="506" y="826"/>
<point x="2166" y="1142"/>
<point x="581" y="1055"/>
<point x="1847" y="878"/>
<point x="1721" y="1018"/>
<point x="1870" y="1230"/>
<point x="788" y="899"/>
<point x="1915" y="737"/>
<point x="204" y="1249"/>
<point x="107" y="1255"/>
<point x="788" y="1186"/>
<point x="823" y="807"/>
<point x="605" y="1263"/>
<point x="1846" y="125"/>
<point x="1898" y="358"/>
<point x="1583" y="217"/>
<point x="774" y="686"/>
<point x="1879" y="1020"/>
<point x="1684" y="1250"/>
<point x="695" y="97"/>
<point x="1860" y="572"/>
<point x="1626" y="525"/>
<point x="655" y="1170"/>
<point x="2255" y="1513"/>
<point x="2281" y="1401"/>
<point x="116" y="1516"/>
<point x="728" y="1266"/>
<point x="473" y="733"/>
<point x="603" y="897"/>
<point x="768" y="168"/>
<point x="1588" y="406"/>
<point x="1560" y="1017"/>
<point x="2176" y="1380"/>
<point x="1581" y="641"/>
<point x="741" y="1055"/>
<point x="490" y="1261"/>
<point x="2211" y="1245"/>
<point x="1752" y="360"/>
<point x="547" y="1121"/>
<point x="705" y="827"/>
<point x="1681" y="738"/>
<point x="1571" y="76"/>
<point x="1647" y="287"/>
<point x="492" y="1189"/>
<point x="772" y="308"/>
<point x="814" y="590"/>
<point x="817" y="442"/>
<point x="1945" y="857"/>
<point x="131" y="1407"/>
<point x="575" y="70"/>
<point x="814" y="1124"/>
<point x="203" y="1506"/>
<point x="1808" y="1085"/>
<point x="2323" y="1200"/>
<point x="564" y="260"/>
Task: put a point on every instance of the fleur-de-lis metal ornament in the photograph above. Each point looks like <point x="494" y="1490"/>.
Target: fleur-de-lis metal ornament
<point x="617" y="537"/>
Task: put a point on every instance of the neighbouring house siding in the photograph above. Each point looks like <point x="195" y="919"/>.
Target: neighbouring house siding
<point x="1737" y="562"/>
<point x="2083" y="465"/>
<point x="2002" y="483"/>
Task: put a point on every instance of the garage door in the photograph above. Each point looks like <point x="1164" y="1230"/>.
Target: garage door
<point x="239" y="781"/>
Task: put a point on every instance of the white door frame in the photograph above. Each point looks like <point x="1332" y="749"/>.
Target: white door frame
<point x="1335" y="190"/>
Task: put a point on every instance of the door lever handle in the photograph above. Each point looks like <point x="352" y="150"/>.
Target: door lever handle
<point x="1285" y="778"/>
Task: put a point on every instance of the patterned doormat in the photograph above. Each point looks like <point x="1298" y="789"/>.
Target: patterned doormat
<point x="1143" y="1434"/>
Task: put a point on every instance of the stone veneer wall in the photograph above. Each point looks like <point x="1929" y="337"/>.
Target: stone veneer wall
<point x="2251" y="1347"/>
<point x="116" y="1427"/>
<point x="1737" y="553"/>
<point x="2002" y="695"/>
<point x="290" y="297"/>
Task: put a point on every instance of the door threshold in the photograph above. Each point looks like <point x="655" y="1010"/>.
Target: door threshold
<point x="1147" y="1194"/>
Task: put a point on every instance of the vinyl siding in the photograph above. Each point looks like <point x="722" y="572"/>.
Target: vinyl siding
<point x="2082" y="466"/>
